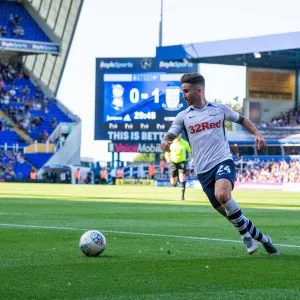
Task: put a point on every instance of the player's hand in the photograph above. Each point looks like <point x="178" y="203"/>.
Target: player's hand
<point x="165" y="146"/>
<point x="260" y="141"/>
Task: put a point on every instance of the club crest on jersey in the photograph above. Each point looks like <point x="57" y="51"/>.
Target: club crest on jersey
<point x="212" y="112"/>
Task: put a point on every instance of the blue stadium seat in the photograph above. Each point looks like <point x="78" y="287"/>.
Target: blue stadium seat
<point x="23" y="168"/>
<point x="32" y="31"/>
<point x="38" y="159"/>
<point x="9" y="137"/>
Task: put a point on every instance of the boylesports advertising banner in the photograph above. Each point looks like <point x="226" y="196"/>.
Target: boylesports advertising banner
<point x="285" y="187"/>
<point x="269" y="84"/>
<point x="29" y="46"/>
<point x="189" y="183"/>
<point x="147" y="182"/>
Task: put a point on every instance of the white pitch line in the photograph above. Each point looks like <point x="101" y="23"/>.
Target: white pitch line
<point x="136" y="233"/>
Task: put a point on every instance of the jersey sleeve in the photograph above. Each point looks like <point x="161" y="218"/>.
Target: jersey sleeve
<point x="177" y="125"/>
<point x="230" y="114"/>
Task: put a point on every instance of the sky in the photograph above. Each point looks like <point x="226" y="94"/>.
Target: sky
<point x="130" y="28"/>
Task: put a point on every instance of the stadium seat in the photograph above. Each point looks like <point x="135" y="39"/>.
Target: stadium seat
<point x="32" y="31"/>
<point x="38" y="159"/>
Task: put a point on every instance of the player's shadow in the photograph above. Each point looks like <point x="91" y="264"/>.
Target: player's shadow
<point x="104" y="257"/>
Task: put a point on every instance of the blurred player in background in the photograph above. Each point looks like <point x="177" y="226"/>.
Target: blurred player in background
<point x="177" y="160"/>
<point x="203" y="123"/>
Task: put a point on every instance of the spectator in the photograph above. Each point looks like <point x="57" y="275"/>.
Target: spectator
<point x="113" y="174"/>
<point x="12" y="92"/>
<point x="163" y="166"/>
<point x="17" y="19"/>
<point x="33" y="175"/>
<point x="26" y="90"/>
<point x="63" y="177"/>
<point x="11" y="19"/>
<point x="120" y="173"/>
<point x="45" y="136"/>
<point x="103" y="176"/>
<point x="88" y="179"/>
<point x="152" y="171"/>
<point x="77" y="175"/>
<point x="53" y="122"/>
<point x="18" y="31"/>
<point x="3" y="31"/>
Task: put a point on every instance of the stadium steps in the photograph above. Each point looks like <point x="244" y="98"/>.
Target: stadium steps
<point x="19" y="131"/>
<point x="30" y="163"/>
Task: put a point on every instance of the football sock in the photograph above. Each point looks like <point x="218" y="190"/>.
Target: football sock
<point x="236" y="217"/>
<point x="182" y="188"/>
<point x="254" y="232"/>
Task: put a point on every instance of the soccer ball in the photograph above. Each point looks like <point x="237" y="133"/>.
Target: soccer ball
<point x="92" y="243"/>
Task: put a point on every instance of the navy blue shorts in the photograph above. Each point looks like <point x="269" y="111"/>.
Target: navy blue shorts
<point x="225" y="169"/>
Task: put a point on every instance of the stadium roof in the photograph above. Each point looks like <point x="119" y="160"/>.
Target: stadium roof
<point x="281" y="51"/>
<point x="62" y="18"/>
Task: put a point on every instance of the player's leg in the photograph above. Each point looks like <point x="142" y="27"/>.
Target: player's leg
<point x="253" y="231"/>
<point x="182" y="177"/>
<point x="207" y="181"/>
<point x="210" y="193"/>
<point x="223" y="187"/>
<point x="225" y="177"/>
<point x="173" y="174"/>
<point x="224" y="181"/>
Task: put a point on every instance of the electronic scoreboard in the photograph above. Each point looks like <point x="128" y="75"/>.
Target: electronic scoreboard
<point x="137" y="98"/>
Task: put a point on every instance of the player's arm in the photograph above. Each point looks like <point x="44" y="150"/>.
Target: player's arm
<point x="172" y="134"/>
<point x="234" y="116"/>
<point x="251" y="128"/>
<point x="167" y="141"/>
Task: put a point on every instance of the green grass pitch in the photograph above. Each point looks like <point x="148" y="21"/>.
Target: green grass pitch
<point x="158" y="247"/>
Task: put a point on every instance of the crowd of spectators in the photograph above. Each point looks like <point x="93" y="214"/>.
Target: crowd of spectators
<point x="7" y="161"/>
<point x="30" y="100"/>
<point x="290" y="118"/>
<point x="5" y="125"/>
<point x="268" y="171"/>
<point x="14" y="25"/>
<point x="256" y="171"/>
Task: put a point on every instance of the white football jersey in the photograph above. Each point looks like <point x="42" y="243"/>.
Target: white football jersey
<point x="205" y="130"/>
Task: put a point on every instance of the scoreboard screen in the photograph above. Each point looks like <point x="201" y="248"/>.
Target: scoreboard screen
<point x="140" y="105"/>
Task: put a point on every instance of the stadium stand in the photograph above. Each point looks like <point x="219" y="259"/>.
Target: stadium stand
<point x="269" y="171"/>
<point x="16" y="23"/>
<point x="13" y="165"/>
<point x="263" y="169"/>
<point x="24" y="107"/>
<point x="38" y="159"/>
<point x="34" y="125"/>
<point x="27" y="106"/>
<point x="290" y="118"/>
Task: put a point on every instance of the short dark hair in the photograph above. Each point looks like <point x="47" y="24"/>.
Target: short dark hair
<point x="192" y="78"/>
